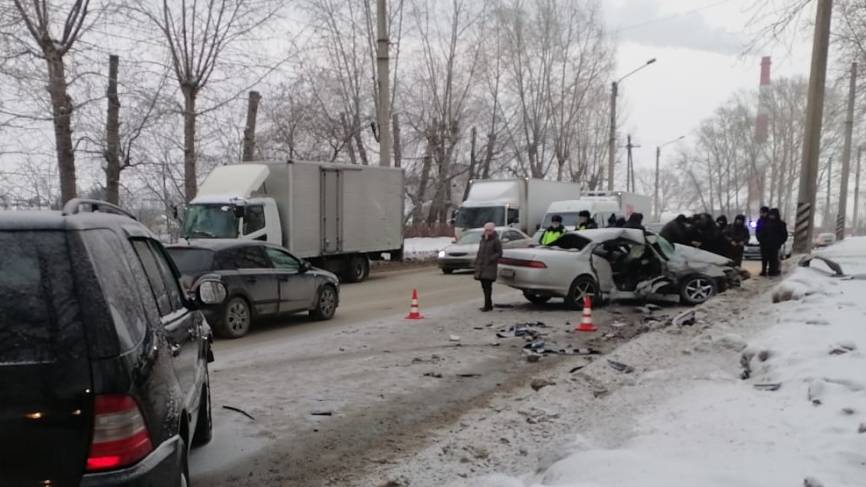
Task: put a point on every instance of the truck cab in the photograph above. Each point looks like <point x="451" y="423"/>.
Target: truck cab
<point x="247" y="218"/>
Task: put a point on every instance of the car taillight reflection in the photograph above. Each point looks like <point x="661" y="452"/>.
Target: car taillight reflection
<point x="120" y="437"/>
<point x="535" y="264"/>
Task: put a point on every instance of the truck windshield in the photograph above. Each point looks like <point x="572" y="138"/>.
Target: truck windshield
<point x="210" y="221"/>
<point x="476" y="217"/>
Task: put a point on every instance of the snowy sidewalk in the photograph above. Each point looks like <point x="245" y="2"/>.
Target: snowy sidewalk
<point x="714" y="429"/>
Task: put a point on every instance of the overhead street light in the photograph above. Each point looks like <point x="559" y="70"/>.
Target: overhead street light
<point x="611" y="149"/>
<point x="656" y="204"/>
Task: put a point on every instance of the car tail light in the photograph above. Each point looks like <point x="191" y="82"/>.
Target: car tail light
<point x="535" y="264"/>
<point x="120" y="437"/>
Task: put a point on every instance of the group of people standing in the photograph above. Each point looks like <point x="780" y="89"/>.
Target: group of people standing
<point x="729" y="240"/>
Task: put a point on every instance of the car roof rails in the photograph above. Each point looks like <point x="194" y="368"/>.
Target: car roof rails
<point x="73" y="207"/>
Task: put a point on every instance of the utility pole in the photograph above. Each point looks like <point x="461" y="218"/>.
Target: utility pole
<point x="827" y="211"/>
<point x="383" y="118"/>
<point x="611" y="144"/>
<point x="846" y="157"/>
<point x="629" y="170"/>
<point x="805" y="220"/>
<point x="857" y="192"/>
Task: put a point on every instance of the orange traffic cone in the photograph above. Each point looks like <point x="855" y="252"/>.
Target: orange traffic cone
<point x="414" y="314"/>
<point x="586" y="322"/>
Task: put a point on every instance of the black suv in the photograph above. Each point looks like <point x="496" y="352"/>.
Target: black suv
<point x="103" y="360"/>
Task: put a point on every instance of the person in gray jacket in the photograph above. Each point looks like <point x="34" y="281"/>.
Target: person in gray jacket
<point x="487" y="263"/>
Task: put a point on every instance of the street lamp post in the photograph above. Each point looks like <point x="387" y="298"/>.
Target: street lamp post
<point x="611" y="148"/>
<point x="656" y="204"/>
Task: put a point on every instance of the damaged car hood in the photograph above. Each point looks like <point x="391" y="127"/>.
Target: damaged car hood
<point x="693" y="256"/>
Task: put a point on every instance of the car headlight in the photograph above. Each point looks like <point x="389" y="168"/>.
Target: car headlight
<point x="441" y="254"/>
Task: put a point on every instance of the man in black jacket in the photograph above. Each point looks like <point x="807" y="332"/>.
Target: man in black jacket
<point x="676" y="231"/>
<point x="738" y="235"/>
<point x="775" y="233"/>
<point x="585" y="221"/>
<point x="760" y="231"/>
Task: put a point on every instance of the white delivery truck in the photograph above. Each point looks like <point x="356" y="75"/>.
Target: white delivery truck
<point x="518" y="203"/>
<point x="337" y="216"/>
<point x="601" y="205"/>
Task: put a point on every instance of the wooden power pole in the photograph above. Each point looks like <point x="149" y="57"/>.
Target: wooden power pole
<point x="383" y="118"/>
<point x="805" y="220"/>
<point x="857" y="192"/>
<point x="250" y="129"/>
<point x="846" y="156"/>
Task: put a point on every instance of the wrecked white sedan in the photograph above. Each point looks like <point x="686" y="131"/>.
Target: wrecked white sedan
<point x="616" y="263"/>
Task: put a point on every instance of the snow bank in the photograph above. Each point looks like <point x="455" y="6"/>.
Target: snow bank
<point x="811" y="430"/>
<point x="424" y="248"/>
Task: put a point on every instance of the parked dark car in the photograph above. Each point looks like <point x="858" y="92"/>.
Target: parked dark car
<point x="103" y="358"/>
<point x="262" y="280"/>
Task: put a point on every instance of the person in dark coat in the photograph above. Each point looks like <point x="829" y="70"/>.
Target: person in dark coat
<point x="738" y="236"/>
<point x="676" y="231"/>
<point x="635" y="220"/>
<point x="760" y="228"/>
<point x="620" y="222"/>
<point x="722" y="223"/>
<point x="585" y="221"/>
<point x="487" y="263"/>
<point x="775" y="235"/>
<point x="611" y="221"/>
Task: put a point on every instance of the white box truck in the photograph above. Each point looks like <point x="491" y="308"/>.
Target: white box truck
<point x="337" y="216"/>
<point x="601" y="205"/>
<point x="518" y="203"/>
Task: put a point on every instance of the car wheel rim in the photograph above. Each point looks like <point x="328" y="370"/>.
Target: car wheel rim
<point x="327" y="302"/>
<point x="238" y="317"/>
<point x="699" y="290"/>
<point x="584" y="289"/>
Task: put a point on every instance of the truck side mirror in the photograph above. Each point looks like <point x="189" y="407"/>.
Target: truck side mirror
<point x="240" y="211"/>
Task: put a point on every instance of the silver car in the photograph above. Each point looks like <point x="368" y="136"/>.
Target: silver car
<point x="461" y="254"/>
<point x="616" y="263"/>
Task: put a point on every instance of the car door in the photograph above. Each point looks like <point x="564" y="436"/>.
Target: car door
<point x="183" y="328"/>
<point x="251" y="271"/>
<point x="297" y="286"/>
<point x="513" y="239"/>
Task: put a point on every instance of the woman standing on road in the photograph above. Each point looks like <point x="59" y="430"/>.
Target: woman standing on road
<point x="487" y="263"/>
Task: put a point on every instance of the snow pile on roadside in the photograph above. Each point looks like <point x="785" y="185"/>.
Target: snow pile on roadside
<point x="424" y="248"/>
<point x="799" y="419"/>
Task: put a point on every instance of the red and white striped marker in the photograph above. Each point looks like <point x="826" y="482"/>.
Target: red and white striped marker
<point x="586" y="322"/>
<point x="414" y="313"/>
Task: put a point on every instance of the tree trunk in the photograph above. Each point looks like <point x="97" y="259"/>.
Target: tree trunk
<point x="348" y="140"/>
<point x="61" y="106"/>
<point x="398" y="144"/>
<point x="190" y="181"/>
<point x="488" y="156"/>
<point x="250" y="129"/>
<point x="112" y="135"/>
<point x="426" y="166"/>
<point x="473" y="162"/>
<point x="359" y="142"/>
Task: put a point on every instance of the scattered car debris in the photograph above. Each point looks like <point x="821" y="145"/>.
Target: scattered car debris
<point x="812" y="482"/>
<point x="768" y="387"/>
<point x="435" y="375"/>
<point x="538" y="384"/>
<point x="454" y="338"/>
<point x="468" y="375"/>
<point x="239" y="410"/>
<point x="532" y="358"/>
<point x="620" y="367"/>
<point x="536" y="345"/>
<point x="324" y="412"/>
<point x="687" y="318"/>
<point x="806" y="261"/>
<point x="843" y="348"/>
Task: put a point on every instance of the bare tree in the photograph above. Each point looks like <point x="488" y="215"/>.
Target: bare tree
<point x="35" y="31"/>
<point x="198" y="36"/>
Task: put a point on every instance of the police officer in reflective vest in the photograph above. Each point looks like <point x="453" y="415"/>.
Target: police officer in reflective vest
<point x="553" y="232"/>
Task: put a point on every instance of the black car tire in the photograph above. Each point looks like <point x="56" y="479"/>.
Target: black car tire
<point x="236" y="318"/>
<point x="583" y="285"/>
<point x="446" y="270"/>
<point x="184" y="464"/>
<point x="358" y="268"/>
<point x="697" y="289"/>
<point x="204" y="425"/>
<point x="326" y="304"/>
<point x="535" y="298"/>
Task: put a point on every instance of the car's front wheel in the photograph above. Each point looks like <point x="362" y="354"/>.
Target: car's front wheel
<point x="447" y="270"/>
<point x="582" y="287"/>
<point x="698" y="289"/>
<point x="237" y="318"/>
<point x="535" y="298"/>
<point x="326" y="304"/>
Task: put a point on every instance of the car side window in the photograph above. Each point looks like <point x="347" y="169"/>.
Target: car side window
<point x="172" y="287"/>
<point x="282" y="260"/>
<point x="247" y="257"/>
<point x="154" y="276"/>
<point x="512" y="236"/>
<point x="254" y="218"/>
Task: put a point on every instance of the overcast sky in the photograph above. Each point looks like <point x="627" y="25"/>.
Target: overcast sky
<point x="699" y="46"/>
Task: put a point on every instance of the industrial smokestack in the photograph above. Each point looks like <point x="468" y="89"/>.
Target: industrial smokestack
<point x="762" y="123"/>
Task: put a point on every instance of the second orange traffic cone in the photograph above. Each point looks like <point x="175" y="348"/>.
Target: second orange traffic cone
<point x="414" y="313"/>
<point x="586" y="322"/>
